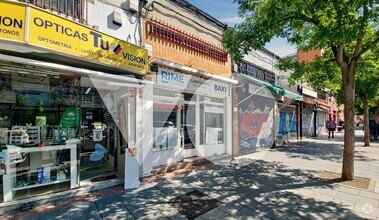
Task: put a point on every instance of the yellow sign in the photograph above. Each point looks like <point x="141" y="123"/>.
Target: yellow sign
<point x="12" y="21"/>
<point x="54" y="32"/>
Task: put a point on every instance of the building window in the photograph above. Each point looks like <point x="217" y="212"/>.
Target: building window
<point x="72" y="8"/>
<point x="212" y="121"/>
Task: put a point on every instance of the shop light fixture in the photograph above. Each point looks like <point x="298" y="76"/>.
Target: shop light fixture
<point x="23" y="72"/>
<point x="39" y="74"/>
<point x="88" y="90"/>
<point x="186" y="68"/>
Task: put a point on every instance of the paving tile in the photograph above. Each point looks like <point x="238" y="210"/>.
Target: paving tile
<point x="84" y="210"/>
<point x="217" y="214"/>
<point x="112" y="207"/>
<point x="59" y="213"/>
<point x="367" y="209"/>
<point x="325" y="191"/>
<point x="371" y="195"/>
<point x="250" y="214"/>
<point x="322" y="197"/>
<point x="347" y="189"/>
<point x="357" y="199"/>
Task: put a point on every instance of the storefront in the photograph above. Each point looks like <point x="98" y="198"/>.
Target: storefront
<point x="64" y="127"/>
<point x="255" y="108"/>
<point x="287" y="121"/>
<point x="308" y="117"/>
<point x="323" y="110"/>
<point x="191" y="115"/>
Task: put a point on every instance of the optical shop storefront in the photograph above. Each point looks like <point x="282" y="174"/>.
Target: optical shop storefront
<point x="191" y="116"/>
<point x="64" y="127"/>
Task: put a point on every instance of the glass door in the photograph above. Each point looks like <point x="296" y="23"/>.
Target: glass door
<point x="189" y="126"/>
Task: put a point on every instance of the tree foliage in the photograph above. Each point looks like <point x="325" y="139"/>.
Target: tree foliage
<point x="345" y="29"/>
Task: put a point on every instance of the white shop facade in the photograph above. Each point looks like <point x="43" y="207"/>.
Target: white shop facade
<point x="191" y="116"/>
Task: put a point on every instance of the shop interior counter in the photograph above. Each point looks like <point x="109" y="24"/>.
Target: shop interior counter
<point x="31" y="167"/>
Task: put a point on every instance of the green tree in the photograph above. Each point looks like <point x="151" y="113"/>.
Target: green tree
<point x="346" y="28"/>
<point x="367" y="87"/>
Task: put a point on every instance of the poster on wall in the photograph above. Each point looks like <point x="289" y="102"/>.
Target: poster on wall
<point x="8" y="97"/>
<point x="34" y="99"/>
<point x="69" y="122"/>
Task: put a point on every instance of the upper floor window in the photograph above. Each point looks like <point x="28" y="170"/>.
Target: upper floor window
<point x="72" y="8"/>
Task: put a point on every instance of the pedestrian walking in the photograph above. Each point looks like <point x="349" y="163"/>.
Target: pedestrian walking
<point x="331" y="126"/>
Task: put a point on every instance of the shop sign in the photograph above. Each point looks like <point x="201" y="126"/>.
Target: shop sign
<point x="62" y="35"/>
<point x="309" y="100"/>
<point x="12" y="21"/>
<point x="220" y="88"/>
<point x="195" y="84"/>
<point x="256" y="72"/>
<point x="54" y="32"/>
<point x="214" y="108"/>
<point x="171" y="79"/>
<point x="308" y="92"/>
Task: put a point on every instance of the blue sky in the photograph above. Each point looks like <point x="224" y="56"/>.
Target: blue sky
<point x="226" y="11"/>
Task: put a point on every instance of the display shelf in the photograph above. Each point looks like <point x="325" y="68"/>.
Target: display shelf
<point x="10" y="178"/>
<point x="39" y="185"/>
<point x="53" y="168"/>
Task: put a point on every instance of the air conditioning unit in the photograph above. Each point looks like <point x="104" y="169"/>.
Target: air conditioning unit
<point x="117" y="18"/>
<point x="130" y="5"/>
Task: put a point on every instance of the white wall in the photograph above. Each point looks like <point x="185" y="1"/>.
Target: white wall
<point x="167" y="157"/>
<point x="100" y="14"/>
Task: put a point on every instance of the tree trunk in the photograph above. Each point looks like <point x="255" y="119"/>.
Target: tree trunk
<point x="348" y="81"/>
<point x="366" y="118"/>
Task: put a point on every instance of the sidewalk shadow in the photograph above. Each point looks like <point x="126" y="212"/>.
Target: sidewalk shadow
<point x="258" y="188"/>
<point x="320" y="148"/>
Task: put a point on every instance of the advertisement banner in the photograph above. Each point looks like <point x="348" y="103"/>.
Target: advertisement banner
<point x="12" y="21"/>
<point x="56" y="33"/>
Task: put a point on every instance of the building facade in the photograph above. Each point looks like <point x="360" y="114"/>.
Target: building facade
<point x="264" y="109"/>
<point x="71" y="81"/>
<point x="191" y="73"/>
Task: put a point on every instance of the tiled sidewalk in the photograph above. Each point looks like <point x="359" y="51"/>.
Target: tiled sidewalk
<point x="277" y="184"/>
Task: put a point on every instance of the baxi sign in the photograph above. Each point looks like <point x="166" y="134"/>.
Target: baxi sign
<point x="70" y="38"/>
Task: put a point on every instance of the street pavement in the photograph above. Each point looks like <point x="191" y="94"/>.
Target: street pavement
<point x="279" y="183"/>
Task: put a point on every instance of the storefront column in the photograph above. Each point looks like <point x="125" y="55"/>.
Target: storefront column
<point x="229" y="126"/>
<point x="236" y="128"/>
<point x="275" y="114"/>
<point x="147" y="130"/>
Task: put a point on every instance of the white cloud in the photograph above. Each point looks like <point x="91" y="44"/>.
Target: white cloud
<point x="232" y="21"/>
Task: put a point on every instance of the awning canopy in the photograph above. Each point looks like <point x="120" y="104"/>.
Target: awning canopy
<point x="293" y="95"/>
<point x="275" y="89"/>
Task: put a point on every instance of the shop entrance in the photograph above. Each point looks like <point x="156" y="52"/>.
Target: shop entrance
<point x="107" y="129"/>
<point x="188" y="125"/>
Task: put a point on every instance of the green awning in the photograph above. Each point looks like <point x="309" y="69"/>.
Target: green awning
<point x="275" y="89"/>
<point x="293" y="95"/>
